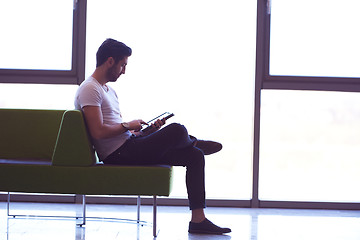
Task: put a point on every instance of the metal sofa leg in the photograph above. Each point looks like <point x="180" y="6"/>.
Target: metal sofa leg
<point x="138" y="203"/>
<point x="8" y="205"/>
<point x="81" y="211"/>
<point x="154" y="216"/>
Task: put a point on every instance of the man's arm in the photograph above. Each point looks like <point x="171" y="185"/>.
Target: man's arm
<point x="99" y="130"/>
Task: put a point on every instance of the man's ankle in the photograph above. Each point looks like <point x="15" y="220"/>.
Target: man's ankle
<point x="197" y="215"/>
<point x="198" y="219"/>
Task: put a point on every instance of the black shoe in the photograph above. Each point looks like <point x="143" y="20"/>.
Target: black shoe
<point x="207" y="227"/>
<point x="208" y="147"/>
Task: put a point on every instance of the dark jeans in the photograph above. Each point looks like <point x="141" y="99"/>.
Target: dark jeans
<point x="171" y="146"/>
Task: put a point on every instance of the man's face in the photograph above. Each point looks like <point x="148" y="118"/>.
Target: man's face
<point x="116" y="70"/>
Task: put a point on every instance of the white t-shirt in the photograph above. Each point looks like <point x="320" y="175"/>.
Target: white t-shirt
<point x="92" y="93"/>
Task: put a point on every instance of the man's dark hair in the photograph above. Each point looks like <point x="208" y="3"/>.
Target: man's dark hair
<point x="112" y="48"/>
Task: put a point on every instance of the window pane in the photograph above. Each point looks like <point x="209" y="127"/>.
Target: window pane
<point x="315" y="38"/>
<point x="310" y="146"/>
<point x="37" y="96"/>
<point x="36" y="34"/>
<point x="193" y="58"/>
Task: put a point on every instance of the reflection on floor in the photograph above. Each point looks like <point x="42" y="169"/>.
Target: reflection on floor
<point x="246" y="224"/>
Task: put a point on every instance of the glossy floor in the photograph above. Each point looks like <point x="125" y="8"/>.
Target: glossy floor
<point x="246" y="224"/>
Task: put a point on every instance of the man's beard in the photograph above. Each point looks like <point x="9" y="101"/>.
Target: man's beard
<point x="111" y="74"/>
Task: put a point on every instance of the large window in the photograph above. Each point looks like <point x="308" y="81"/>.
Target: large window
<point x="38" y="34"/>
<point x="193" y="58"/>
<point x="315" y="38"/>
<point x="40" y="47"/>
<point x="310" y="146"/>
<point x="42" y="41"/>
<point x="196" y="58"/>
<point x="306" y="142"/>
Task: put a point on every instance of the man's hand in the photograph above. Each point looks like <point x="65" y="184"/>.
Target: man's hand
<point x="158" y="123"/>
<point x="154" y="127"/>
<point x="136" y="125"/>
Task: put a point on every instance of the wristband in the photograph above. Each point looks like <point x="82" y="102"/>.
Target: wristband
<point x="125" y="125"/>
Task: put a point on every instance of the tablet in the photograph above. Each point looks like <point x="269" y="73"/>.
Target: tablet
<point x="165" y="115"/>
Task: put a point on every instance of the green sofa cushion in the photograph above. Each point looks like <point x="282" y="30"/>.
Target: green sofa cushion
<point x="94" y="180"/>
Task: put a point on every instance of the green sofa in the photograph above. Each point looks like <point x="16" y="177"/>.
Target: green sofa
<point x="49" y="151"/>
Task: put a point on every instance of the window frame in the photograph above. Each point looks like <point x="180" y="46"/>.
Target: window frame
<point x="263" y="80"/>
<point x="288" y="82"/>
<point x="75" y="75"/>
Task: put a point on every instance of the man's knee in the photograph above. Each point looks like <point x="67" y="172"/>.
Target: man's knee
<point x="177" y="128"/>
<point x="178" y="131"/>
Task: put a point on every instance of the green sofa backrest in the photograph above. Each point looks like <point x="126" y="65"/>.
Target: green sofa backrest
<point x="56" y="135"/>
<point x="73" y="146"/>
<point x="28" y="134"/>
